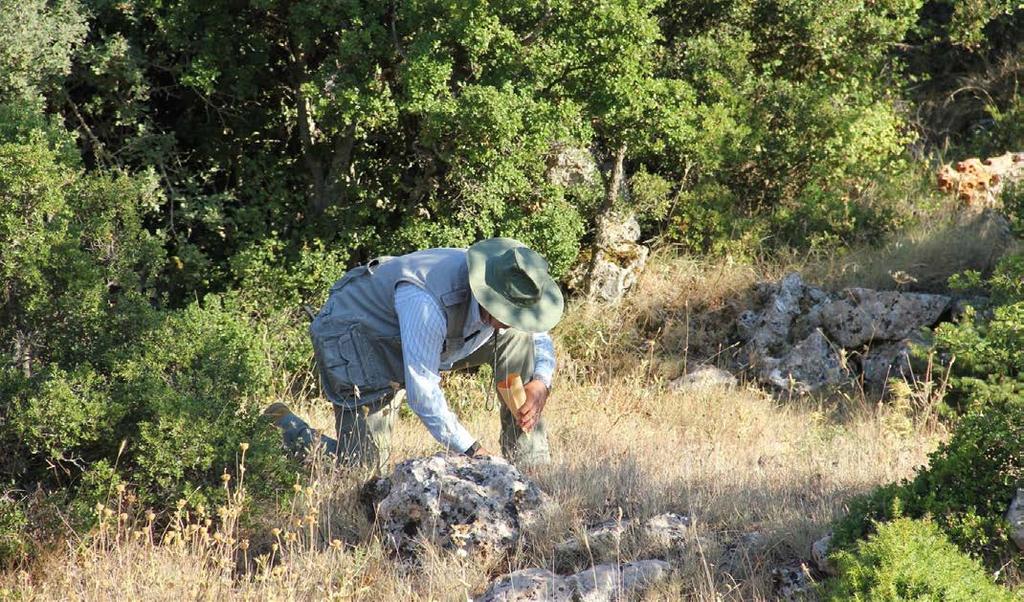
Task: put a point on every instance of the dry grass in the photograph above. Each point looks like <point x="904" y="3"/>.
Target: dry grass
<point x="736" y="460"/>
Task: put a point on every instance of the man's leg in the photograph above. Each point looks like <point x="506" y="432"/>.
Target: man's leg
<point x="514" y="355"/>
<point x="364" y="433"/>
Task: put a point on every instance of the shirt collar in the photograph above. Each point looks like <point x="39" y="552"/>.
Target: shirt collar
<point x="473" y="322"/>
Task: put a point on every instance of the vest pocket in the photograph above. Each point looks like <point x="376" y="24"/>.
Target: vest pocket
<point x="338" y="352"/>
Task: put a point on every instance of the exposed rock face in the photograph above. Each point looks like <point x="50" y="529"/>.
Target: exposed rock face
<point x="568" y="166"/>
<point x="863" y="315"/>
<point x="601" y="583"/>
<point x="797" y="337"/>
<point x="811" y="365"/>
<point x="889" y="360"/>
<point x="1015" y="516"/>
<point x="978" y="183"/>
<point x="469" y="505"/>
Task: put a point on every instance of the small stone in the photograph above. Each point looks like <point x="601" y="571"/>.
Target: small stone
<point x="612" y="582"/>
<point x="668" y="530"/>
<point x="793" y="582"/>
<point x="703" y="377"/>
<point x="598" y="542"/>
<point x="819" y="554"/>
<point x="529" y="585"/>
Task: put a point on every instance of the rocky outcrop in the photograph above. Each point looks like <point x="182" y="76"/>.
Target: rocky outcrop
<point x="801" y="339"/>
<point x="619" y="258"/>
<point x="863" y="316"/>
<point x="977" y="183"/>
<point x="570" y="166"/>
<point x="601" y="583"/>
<point x="467" y="505"/>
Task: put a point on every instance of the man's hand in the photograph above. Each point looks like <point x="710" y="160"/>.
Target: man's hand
<point x="482" y="452"/>
<point x="536" y="397"/>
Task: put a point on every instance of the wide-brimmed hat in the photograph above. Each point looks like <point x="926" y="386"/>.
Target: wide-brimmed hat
<point x="512" y="283"/>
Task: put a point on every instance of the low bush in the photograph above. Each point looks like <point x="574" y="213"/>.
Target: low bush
<point x="911" y="560"/>
<point x="966" y="488"/>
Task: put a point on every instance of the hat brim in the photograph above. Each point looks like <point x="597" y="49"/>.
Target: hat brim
<point x="539" y="317"/>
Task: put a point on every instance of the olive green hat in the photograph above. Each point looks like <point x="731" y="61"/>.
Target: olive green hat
<point x="512" y="283"/>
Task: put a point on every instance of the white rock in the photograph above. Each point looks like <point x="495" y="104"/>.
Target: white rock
<point x="605" y="541"/>
<point x="568" y="166"/>
<point x="599" y="542"/>
<point x="1015" y="516"/>
<point x="529" y="585"/>
<point x="865" y="315"/>
<point x="703" y="377"/>
<point x="668" y="530"/>
<point x="469" y="505"/>
<point x="612" y="582"/>
<point x="810" y="366"/>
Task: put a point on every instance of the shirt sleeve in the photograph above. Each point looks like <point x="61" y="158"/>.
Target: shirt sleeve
<point x="422" y="326"/>
<point x="543" y="358"/>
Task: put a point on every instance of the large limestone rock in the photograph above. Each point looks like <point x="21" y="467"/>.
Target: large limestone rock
<point x="620" y="258"/>
<point x="569" y="166"/>
<point x="864" y="315"/>
<point x="810" y="366"/>
<point x="797" y="338"/>
<point x="468" y="505"/>
<point x="977" y="183"/>
<point x="769" y="328"/>
<point x="1015" y="516"/>
<point x="884" y="361"/>
<point x="602" y="583"/>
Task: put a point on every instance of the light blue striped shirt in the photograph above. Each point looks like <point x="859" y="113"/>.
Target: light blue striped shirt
<point x="422" y="325"/>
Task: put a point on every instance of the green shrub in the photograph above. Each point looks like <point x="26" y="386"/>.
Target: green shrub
<point x="911" y="560"/>
<point x="14" y="540"/>
<point x="987" y="350"/>
<point x="966" y="488"/>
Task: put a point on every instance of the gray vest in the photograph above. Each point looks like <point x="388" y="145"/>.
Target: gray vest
<point x="356" y="340"/>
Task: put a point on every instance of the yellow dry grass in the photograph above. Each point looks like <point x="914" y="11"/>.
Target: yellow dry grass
<point x="761" y="478"/>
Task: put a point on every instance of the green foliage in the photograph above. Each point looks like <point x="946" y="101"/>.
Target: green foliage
<point x="104" y="385"/>
<point x="966" y="488"/>
<point x="796" y="114"/>
<point x="14" y="540"/>
<point x="986" y="349"/>
<point x="37" y="39"/>
<point x="911" y="560"/>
